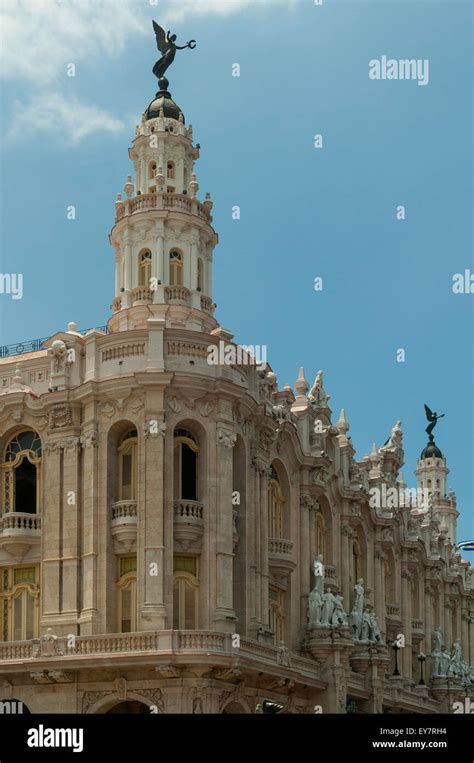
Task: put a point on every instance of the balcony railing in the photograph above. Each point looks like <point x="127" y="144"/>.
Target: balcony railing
<point x="150" y="201"/>
<point x="33" y="345"/>
<point x="124" y="512"/>
<point x="19" y="524"/>
<point x="393" y="611"/>
<point x="280" y="556"/>
<point x="280" y="547"/>
<point x="198" y="645"/>
<point x="417" y="625"/>
<point x="124" y="526"/>
<point x="188" y="511"/>
<point x="142" y="295"/>
<point x="177" y="295"/>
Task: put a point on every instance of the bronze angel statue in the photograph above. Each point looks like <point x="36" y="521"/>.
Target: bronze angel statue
<point x="432" y="418"/>
<point x="166" y="45"/>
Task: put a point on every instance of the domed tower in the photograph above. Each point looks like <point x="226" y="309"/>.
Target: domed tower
<point x="163" y="236"/>
<point x="431" y="474"/>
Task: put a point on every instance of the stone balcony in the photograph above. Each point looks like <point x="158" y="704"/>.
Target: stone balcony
<point x="147" y="202"/>
<point x="393" y="613"/>
<point x="418" y="628"/>
<point x="19" y="531"/>
<point x="173" y="295"/>
<point x="188" y="525"/>
<point x="124" y="526"/>
<point x="165" y="651"/>
<point x="280" y="559"/>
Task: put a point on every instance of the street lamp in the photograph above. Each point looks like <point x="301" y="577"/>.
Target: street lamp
<point x="421" y="658"/>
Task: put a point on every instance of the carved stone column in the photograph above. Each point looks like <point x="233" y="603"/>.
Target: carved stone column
<point x="406" y="657"/>
<point x="346" y="535"/>
<point x="428" y="614"/>
<point x="70" y="524"/>
<point x="379" y="585"/>
<point x="51" y="533"/>
<point x="89" y="539"/>
<point x="224" y="615"/>
<point x="306" y="510"/>
<point x="150" y="579"/>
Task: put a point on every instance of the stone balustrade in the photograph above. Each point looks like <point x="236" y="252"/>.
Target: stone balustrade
<point x="18" y="522"/>
<point x="148" y="643"/>
<point x="177" y="295"/>
<point x="417" y="625"/>
<point x="162" y="201"/>
<point x="188" y="511"/>
<point x="142" y="295"/>
<point x="124" y="511"/>
<point x="207" y="305"/>
<point x="280" y="547"/>
<point x="393" y="611"/>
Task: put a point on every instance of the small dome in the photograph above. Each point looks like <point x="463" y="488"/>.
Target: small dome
<point x="431" y="451"/>
<point x="163" y="100"/>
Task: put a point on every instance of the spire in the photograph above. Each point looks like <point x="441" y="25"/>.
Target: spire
<point x="342" y="425"/>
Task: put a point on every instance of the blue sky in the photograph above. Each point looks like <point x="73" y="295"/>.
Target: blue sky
<point x="305" y="212"/>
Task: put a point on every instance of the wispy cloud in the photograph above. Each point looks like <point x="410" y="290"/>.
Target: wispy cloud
<point x="39" y="38"/>
<point x="70" y="118"/>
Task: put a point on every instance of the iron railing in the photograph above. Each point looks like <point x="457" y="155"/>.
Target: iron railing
<point x="33" y="345"/>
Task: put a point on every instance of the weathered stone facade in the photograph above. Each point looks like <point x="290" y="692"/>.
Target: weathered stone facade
<point x="167" y="555"/>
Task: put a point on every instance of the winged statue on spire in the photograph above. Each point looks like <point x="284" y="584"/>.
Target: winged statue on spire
<point x="166" y="43"/>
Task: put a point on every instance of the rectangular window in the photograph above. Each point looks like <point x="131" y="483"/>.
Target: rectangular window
<point x="185" y="564"/>
<point x="127" y="564"/>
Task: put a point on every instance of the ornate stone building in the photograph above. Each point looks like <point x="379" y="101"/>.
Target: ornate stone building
<point x="176" y="534"/>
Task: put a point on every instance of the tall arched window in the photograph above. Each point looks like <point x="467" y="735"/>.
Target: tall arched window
<point x="127" y="472"/>
<point x="320" y="535"/>
<point x="185" y="593"/>
<point x="127" y="594"/>
<point x="19" y="603"/>
<point x="21" y="473"/>
<point x="200" y="274"/>
<point x="170" y="172"/>
<point x="186" y="452"/>
<point x="176" y="268"/>
<point x="152" y="170"/>
<point x="276" y="614"/>
<point x="144" y="268"/>
<point x="275" y="508"/>
<point x="356" y="562"/>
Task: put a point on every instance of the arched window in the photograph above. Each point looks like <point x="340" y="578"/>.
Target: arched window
<point x="176" y="268"/>
<point x="21" y="472"/>
<point x="127" y="476"/>
<point x="19" y="604"/>
<point x="276" y="614"/>
<point x="320" y="535"/>
<point x="200" y="274"/>
<point x="185" y="593"/>
<point x="170" y="172"/>
<point x="275" y="508"/>
<point x="356" y="562"/>
<point x="186" y="452"/>
<point x="152" y="170"/>
<point x="127" y="594"/>
<point x="144" y="268"/>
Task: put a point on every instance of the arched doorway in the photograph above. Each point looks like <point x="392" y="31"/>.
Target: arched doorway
<point x="130" y="707"/>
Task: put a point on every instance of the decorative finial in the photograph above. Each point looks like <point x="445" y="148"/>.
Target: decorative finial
<point x="129" y="187"/>
<point x="342" y="424"/>
<point x="301" y="385"/>
<point x="166" y="45"/>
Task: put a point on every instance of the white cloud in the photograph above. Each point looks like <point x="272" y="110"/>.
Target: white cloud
<point x="69" y="118"/>
<point x="40" y="37"/>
